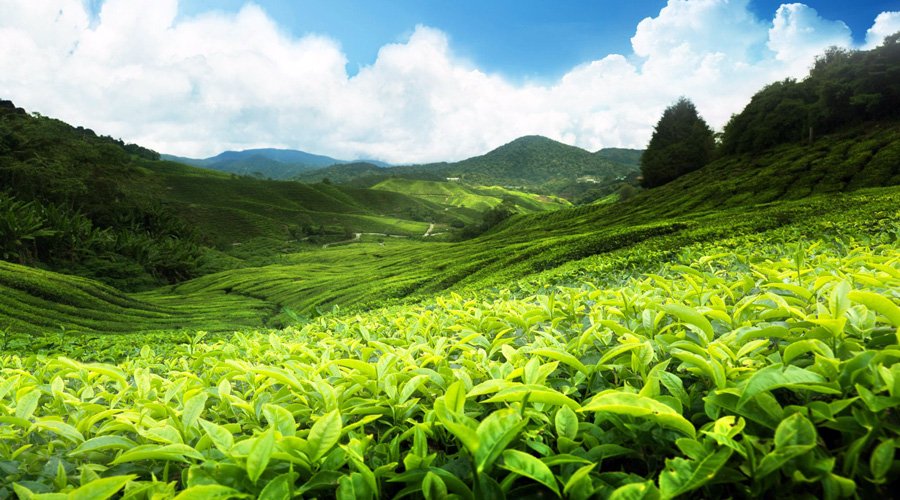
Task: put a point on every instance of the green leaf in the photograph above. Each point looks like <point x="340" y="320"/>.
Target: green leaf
<point x="455" y="397"/>
<point x="193" y="407"/>
<point x="101" y="489"/>
<point x="795" y="430"/>
<point x="709" y="367"/>
<point x="530" y="467"/>
<point x="279" y="488"/>
<point x="25" y="494"/>
<point x="220" y="436"/>
<point x="101" y="443"/>
<point x="169" y="452"/>
<point x="801" y="347"/>
<point x="878" y="303"/>
<point x="60" y="428"/>
<point x="27" y="403"/>
<point x="692" y="317"/>
<point x="636" y="491"/>
<point x="210" y="492"/>
<point x="682" y="476"/>
<point x="882" y="459"/>
<point x="260" y="454"/>
<point x="635" y="405"/>
<point x="354" y="487"/>
<point x="455" y="423"/>
<point x="410" y="387"/>
<point x="494" y="434"/>
<point x="325" y="479"/>
<point x="563" y="357"/>
<point x="566" y="422"/>
<point x="777" y="376"/>
<point x="324" y="434"/>
<point x="582" y="475"/>
<point x="433" y="487"/>
<point x="280" y="418"/>
<point x="534" y="394"/>
<point x="615" y="352"/>
<point x="795" y="436"/>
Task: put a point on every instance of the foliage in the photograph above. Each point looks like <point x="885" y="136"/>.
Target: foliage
<point x="681" y="142"/>
<point x="844" y="88"/>
<point x="78" y="202"/>
<point x="740" y="369"/>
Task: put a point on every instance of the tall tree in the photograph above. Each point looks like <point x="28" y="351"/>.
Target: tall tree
<point x="681" y="142"/>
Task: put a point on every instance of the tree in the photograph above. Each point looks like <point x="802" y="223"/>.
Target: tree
<point x="681" y="142"/>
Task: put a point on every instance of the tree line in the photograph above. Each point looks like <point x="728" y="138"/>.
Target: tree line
<point x="844" y="88"/>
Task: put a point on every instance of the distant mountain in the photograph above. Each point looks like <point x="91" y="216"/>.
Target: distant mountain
<point x="266" y="162"/>
<point x="535" y="161"/>
<point x="532" y="162"/>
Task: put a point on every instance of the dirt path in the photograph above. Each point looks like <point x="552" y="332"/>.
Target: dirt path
<point x="429" y="230"/>
<point x="356" y="237"/>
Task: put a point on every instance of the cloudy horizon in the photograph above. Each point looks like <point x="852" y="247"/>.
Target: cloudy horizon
<point x="213" y="81"/>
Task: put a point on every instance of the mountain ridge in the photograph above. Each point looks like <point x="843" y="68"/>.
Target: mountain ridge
<point x="530" y="162"/>
<point x="274" y="163"/>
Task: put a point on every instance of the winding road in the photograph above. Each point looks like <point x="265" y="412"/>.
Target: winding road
<point x="357" y="236"/>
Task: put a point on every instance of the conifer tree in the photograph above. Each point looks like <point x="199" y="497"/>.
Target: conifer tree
<point x="681" y="142"/>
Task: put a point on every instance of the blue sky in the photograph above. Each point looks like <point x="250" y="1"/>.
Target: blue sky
<point x="408" y="81"/>
<point x="521" y="39"/>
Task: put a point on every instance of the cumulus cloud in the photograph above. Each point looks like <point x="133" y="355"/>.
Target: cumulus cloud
<point x="887" y="23"/>
<point x="218" y="81"/>
<point x="798" y="33"/>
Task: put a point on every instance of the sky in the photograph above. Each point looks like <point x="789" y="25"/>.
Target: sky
<point x="407" y="81"/>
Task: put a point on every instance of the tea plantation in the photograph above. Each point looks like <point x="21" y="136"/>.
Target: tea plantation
<point x="760" y="364"/>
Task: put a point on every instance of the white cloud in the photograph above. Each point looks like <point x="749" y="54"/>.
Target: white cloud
<point x="887" y="23"/>
<point x="799" y="34"/>
<point x="231" y="81"/>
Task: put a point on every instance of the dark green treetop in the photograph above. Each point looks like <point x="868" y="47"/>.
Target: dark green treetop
<point x="681" y="142"/>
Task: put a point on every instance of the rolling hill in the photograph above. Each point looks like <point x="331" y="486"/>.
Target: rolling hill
<point x="531" y="163"/>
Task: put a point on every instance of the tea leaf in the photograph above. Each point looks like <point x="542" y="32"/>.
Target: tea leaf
<point x="260" y="454"/>
<point x="324" y="434"/>
<point x="530" y="467"/>
<point x="634" y="405"/>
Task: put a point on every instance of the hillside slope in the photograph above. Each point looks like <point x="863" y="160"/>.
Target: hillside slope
<point x="470" y="200"/>
<point x="367" y="275"/>
<point x="34" y="301"/>
<point x="533" y="162"/>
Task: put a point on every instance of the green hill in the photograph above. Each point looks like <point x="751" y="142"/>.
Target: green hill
<point x="531" y="163"/>
<point x="85" y="204"/>
<point x="38" y="302"/>
<point x="470" y="201"/>
<point x="358" y="174"/>
<point x="535" y="161"/>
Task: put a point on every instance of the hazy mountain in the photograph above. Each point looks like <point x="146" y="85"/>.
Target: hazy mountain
<point x="265" y="162"/>
<point x="532" y="162"/>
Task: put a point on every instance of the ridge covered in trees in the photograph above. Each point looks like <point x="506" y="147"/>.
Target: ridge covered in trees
<point x="844" y="88"/>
